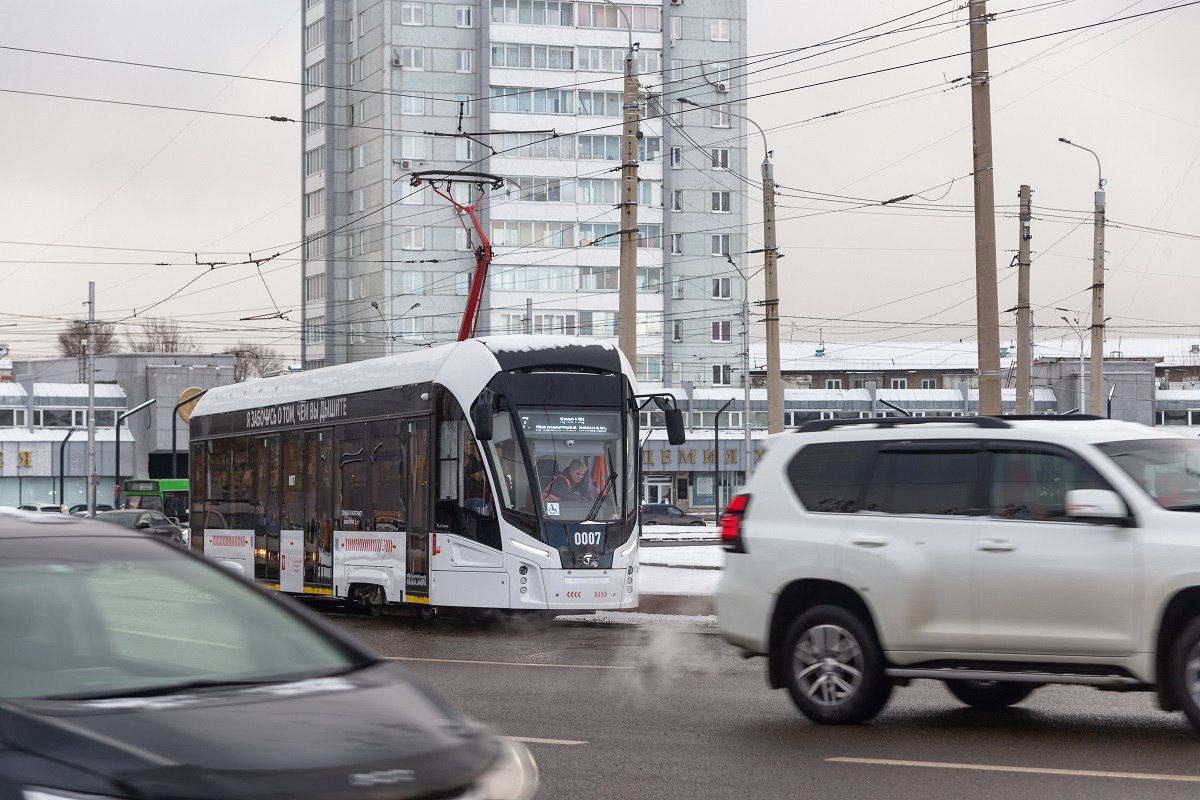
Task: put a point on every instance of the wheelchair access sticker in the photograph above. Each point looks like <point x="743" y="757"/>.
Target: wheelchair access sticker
<point x="551" y="509"/>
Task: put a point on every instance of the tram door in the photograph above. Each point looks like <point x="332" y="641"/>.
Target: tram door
<point x="318" y="528"/>
<point x="416" y="584"/>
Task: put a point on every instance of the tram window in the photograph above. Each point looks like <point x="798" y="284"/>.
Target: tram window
<point x="388" y="479"/>
<point x="505" y="449"/>
<point x="219" y="485"/>
<point x="419" y="472"/>
<point x="293" y="481"/>
<point x="352" y="463"/>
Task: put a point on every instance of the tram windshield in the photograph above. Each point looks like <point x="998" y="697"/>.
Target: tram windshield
<point x="578" y="470"/>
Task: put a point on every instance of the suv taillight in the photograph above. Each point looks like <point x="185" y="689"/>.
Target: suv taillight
<point x="731" y="524"/>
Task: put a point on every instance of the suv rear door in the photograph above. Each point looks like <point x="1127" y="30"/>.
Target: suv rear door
<point x="1047" y="583"/>
<point x="910" y="544"/>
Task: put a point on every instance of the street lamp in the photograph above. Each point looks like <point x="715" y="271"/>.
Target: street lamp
<point x="1098" y="319"/>
<point x="770" y="280"/>
<point x="1078" y="332"/>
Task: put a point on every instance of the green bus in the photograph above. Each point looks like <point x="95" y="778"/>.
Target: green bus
<point x="168" y="495"/>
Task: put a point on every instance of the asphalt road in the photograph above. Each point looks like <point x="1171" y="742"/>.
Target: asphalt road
<point x="671" y="712"/>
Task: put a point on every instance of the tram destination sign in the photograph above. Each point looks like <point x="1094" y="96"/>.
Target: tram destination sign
<point x="556" y="423"/>
<point x="318" y="411"/>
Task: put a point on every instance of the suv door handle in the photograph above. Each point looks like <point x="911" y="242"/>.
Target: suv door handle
<point x="996" y="545"/>
<point x="866" y="540"/>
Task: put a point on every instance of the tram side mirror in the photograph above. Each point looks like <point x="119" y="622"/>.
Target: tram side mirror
<point x="675" y="430"/>
<point x="481" y="416"/>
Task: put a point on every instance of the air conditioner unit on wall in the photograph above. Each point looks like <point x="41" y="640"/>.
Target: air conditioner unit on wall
<point x="676" y="2"/>
<point x="722" y="88"/>
<point x="396" y="61"/>
<point x="405" y="164"/>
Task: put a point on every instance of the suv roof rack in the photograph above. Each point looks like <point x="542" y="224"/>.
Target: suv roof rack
<point x="978" y="421"/>
<point x="891" y="422"/>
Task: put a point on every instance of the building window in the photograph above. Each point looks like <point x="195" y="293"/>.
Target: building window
<point x="722" y="288"/>
<point x="722" y="375"/>
<point x="677" y="330"/>
<point x="677" y="199"/>
<point x="720" y="116"/>
<point x="412" y="58"/>
<point x="720" y="244"/>
<point x="314" y="76"/>
<point x="676" y="244"/>
<point x="464" y="150"/>
<point x="720" y="157"/>
<point x="412" y="237"/>
<point x="899" y="383"/>
<point x="413" y="104"/>
<point x="314" y="35"/>
<point x="464" y="17"/>
<point x="676" y="70"/>
<point x="676" y="27"/>
<point x="650" y="368"/>
<point x="677" y="288"/>
<point x="676" y="158"/>
<point x="929" y="383"/>
<point x="314" y="287"/>
<point x="722" y="202"/>
<point x="719" y="71"/>
<point x="833" y="383"/>
<point x="314" y="118"/>
<point x="722" y="331"/>
<point x="412" y="147"/>
<point x="649" y="279"/>
<point x="412" y="13"/>
<point x="315" y="330"/>
<point x="526" y="100"/>
<point x="464" y="61"/>
<point x="649" y="323"/>
<point x="675" y="112"/>
<point x="718" y="30"/>
<point x="595" y="279"/>
<point x="314" y="203"/>
<point x="314" y="161"/>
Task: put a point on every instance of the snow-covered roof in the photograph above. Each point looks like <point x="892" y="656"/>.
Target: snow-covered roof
<point x="62" y="394"/>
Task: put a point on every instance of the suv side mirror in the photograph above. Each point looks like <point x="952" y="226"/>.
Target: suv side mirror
<point x="1095" y="504"/>
<point x="675" y="431"/>
<point x="481" y="416"/>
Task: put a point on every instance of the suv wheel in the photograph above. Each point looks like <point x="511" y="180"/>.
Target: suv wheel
<point x="990" y="694"/>
<point x="834" y="667"/>
<point x="1184" y="671"/>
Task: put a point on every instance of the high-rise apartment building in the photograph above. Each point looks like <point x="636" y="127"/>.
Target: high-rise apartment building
<point x="537" y="84"/>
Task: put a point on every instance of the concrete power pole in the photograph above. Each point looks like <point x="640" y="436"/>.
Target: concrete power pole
<point x="627" y="294"/>
<point x="91" y="414"/>
<point x="771" y="301"/>
<point x="1024" y="334"/>
<point x="1096" y="400"/>
<point x="987" y="312"/>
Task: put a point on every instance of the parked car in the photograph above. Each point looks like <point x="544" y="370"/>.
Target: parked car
<point x="107" y="691"/>
<point x="660" y="514"/>
<point x="147" y="521"/>
<point x="994" y="554"/>
<point x="81" y="508"/>
<point x="53" y="508"/>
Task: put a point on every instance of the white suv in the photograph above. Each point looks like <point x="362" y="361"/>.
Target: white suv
<point x="994" y="553"/>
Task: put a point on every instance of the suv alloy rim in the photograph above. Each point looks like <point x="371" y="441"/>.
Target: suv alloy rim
<point x="1191" y="674"/>
<point x="828" y="664"/>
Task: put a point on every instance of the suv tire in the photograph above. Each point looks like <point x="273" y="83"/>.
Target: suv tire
<point x="1183" y="671"/>
<point x="834" y="667"/>
<point x="990" y="694"/>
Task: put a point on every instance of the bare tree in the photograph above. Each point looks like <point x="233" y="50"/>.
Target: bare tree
<point x="73" y="342"/>
<point x="160" y="336"/>
<point x="253" y="361"/>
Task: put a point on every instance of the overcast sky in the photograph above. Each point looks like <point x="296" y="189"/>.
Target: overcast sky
<point x="172" y="164"/>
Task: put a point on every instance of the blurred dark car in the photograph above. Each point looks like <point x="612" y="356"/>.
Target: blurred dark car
<point x="133" y="669"/>
<point x="660" y="514"/>
<point x="144" y="520"/>
<point x="81" y="508"/>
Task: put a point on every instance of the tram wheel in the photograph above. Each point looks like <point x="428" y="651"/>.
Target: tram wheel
<point x="427" y="612"/>
<point x="370" y="599"/>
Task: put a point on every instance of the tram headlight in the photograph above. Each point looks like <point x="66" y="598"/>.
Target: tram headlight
<point x="523" y="570"/>
<point x="512" y="776"/>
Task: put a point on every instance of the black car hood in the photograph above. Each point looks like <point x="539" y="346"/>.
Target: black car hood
<point x="370" y="734"/>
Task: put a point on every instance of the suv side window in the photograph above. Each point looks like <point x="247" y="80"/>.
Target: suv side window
<point x="1031" y="483"/>
<point x="924" y="479"/>
<point x="828" y="478"/>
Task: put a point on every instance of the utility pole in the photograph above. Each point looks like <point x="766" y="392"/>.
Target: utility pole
<point x="749" y="449"/>
<point x="527" y="323"/>
<point x="627" y="294"/>
<point x="771" y="301"/>
<point x="987" y="313"/>
<point x="1024" y="338"/>
<point x="91" y="413"/>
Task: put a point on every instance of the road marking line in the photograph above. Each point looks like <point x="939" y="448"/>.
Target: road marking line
<point x="505" y="663"/>
<point x="534" y="740"/>
<point x="1079" y="773"/>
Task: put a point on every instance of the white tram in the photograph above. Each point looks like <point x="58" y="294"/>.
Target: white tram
<point x="498" y="472"/>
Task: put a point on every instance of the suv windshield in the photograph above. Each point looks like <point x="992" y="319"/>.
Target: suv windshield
<point x="99" y="616"/>
<point x="1168" y="469"/>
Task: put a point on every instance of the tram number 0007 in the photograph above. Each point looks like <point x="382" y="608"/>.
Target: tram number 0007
<point x="588" y="537"/>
